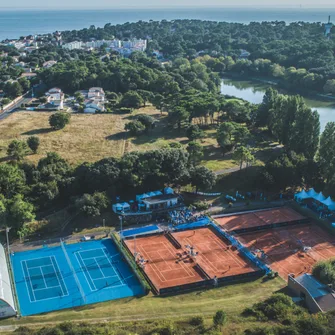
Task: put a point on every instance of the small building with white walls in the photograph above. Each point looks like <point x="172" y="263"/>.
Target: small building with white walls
<point x="7" y="306"/>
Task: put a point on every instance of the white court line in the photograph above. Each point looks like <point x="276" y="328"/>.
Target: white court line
<point x="230" y="253"/>
<point x="82" y="251"/>
<point x="99" y="268"/>
<point x="105" y="277"/>
<point x="82" y="262"/>
<point x="29" y="279"/>
<point x="152" y="264"/>
<point x="57" y="272"/>
<point x="45" y="283"/>
<point x="43" y="289"/>
<point x="32" y="290"/>
<point x="38" y="267"/>
<point x="111" y="256"/>
<point x="114" y="268"/>
<point x="184" y="267"/>
<point x="33" y="259"/>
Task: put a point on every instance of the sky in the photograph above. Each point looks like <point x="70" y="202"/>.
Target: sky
<point x="161" y="3"/>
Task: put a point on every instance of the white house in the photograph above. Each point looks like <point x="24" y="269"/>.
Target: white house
<point x="55" y="94"/>
<point x="49" y="64"/>
<point x="96" y="93"/>
<point x="55" y="97"/>
<point x="93" y="107"/>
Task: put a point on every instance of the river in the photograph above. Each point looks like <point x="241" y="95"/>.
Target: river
<point x="253" y="91"/>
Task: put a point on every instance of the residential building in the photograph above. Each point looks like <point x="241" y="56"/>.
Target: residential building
<point x="96" y="93"/>
<point x="94" y="106"/>
<point x="28" y="75"/>
<point x="72" y="45"/>
<point x="49" y="64"/>
<point x="317" y="296"/>
<point x="55" y="98"/>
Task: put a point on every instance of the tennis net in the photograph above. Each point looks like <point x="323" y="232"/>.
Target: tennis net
<point x="73" y="271"/>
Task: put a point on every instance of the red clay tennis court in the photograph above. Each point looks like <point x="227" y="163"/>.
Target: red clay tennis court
<point x="283" y="247"/>
<point x="170" y="266"/>
<point x="259" y="218"/>
<point x="216" y="256"/>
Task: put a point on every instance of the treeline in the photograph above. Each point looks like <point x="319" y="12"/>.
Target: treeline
<point x="300" y="44"/>
<point x="290" y="78"/>
<point x="139" y="72"/>
<point x="307" y="158"/>
<point x="26" y="189"/>
<point x="324" y="271"/>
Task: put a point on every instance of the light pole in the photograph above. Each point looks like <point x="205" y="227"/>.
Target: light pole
<point x="121" y="233"/>
<point x="7" y="237"/>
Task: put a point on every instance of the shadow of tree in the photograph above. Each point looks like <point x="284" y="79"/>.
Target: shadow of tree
<point x="5" y="159"/>
<point x="38" y="131"/>
<point x="117" y="136"/>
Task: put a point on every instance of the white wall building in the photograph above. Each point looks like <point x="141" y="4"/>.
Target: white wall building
<point x="72" y="45"/>
<point x="7" y="306"/>
<point x="96" y="93"/>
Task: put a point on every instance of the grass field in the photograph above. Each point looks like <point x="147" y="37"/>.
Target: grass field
<point x="87" y="137"/>
<point x="232" y="299"/>
<point x="93" y="137"/>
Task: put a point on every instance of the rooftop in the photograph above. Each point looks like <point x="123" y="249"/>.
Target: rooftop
<point x="160" y="198"/>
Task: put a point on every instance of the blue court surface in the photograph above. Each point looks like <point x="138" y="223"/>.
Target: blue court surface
<point x="200" y="223"/>
<point x="45" y="281"/>
<point x="140" y="231"/>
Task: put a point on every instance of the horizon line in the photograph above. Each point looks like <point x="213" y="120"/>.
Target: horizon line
<point x="249" y="6"/>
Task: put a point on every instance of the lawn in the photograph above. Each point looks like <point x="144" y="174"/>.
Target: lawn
<point x="233" y="299"/>
<point x="87" y="137"/>
<point x="92" y="137"/>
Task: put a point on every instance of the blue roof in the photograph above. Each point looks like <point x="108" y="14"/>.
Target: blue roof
<point x="314" y="287"/>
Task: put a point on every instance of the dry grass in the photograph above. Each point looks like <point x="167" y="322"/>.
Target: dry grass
<point x="87" y="137"/>
<point x="231" y="298"/>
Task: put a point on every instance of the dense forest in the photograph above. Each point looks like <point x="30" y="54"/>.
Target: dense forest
<point x="297" y="51"/>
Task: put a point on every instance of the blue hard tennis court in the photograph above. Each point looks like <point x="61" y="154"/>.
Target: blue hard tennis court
<point x="72" y="275"/>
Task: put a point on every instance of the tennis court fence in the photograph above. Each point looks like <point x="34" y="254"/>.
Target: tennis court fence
<point x="241" y="248"/>
<point x="129" y="258"/>
<point x="73" y="271"/>
<point x="173" y="240"/>
<point x="203" y="271"/>
<point x="271" y="226"/>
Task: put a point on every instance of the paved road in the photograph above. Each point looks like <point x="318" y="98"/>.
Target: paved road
<point x="24" y="100"/>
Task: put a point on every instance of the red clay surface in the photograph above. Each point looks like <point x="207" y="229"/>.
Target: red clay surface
<point x="165" y="269"/>
<point x="215" y="256"/>
<point x="257" y="219"/>
<point x="283" y="247"/>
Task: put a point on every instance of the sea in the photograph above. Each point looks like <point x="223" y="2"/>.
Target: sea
<point x="16" y="23"/>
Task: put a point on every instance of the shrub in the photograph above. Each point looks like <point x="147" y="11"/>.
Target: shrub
<point x="201" y="205"/>
<point x="33" y="143"/>
<point x="17" y="149"/>
<point x="219" y="319"/>
<point x="135" y="127"/>
<point x="59" y="120"/>
<point x="277" y="307"/>
<point x="324" y="271"/>
<point x="197" y="321"/>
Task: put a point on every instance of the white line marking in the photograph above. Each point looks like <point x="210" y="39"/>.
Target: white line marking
<point x="57" y="272"/>
<point x="85" y="270"/>
<point x="45" y="283"/>
<point x="24" y="273"/>
<point x="114" y="268"/>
